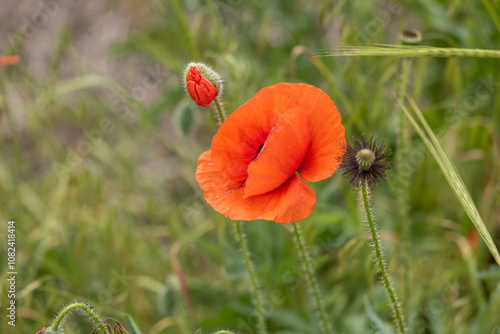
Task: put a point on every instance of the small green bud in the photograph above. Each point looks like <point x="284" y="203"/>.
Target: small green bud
<point x="365" y="158"/>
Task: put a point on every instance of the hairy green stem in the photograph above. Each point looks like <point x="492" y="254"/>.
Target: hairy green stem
<point x="398" y="313"/>
<point x="221" y="115"/>
<point x="87" y="310"/>
<point x="306" y="262"/>
<point x="253" y="278"/>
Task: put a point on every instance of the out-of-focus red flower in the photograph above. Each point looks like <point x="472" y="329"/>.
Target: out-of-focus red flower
<point x="9" y="60"/>
<point x="473" y="239"/>
<point x="42" y="330"/>
<point x="266" y="150"/>
<point x="200" y="88"/>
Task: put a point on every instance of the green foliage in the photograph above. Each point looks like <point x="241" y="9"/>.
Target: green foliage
<point x="100" y="143"/>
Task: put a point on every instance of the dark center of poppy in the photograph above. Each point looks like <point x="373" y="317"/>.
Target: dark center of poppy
<point x="258" y="152"/>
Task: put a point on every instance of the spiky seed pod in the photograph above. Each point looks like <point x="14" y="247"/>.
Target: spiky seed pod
<point x="365" y="161"/>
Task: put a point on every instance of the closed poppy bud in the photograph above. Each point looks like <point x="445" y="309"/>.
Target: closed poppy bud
<point x="203" y="84"/>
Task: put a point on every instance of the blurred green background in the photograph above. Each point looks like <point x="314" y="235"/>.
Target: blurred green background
<point x="99" y="145"/>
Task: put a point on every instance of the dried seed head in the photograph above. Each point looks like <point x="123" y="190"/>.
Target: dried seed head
<point x="365" y="161"/>
<point x="411" y="36"/>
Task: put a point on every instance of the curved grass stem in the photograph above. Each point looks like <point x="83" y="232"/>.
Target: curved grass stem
<point x="398" y="313"/>
<point x="257" y="300"/>
<point x="306" y="262"/>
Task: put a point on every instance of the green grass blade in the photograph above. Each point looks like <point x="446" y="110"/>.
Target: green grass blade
<point x="134" y="329"/>
<point x="451" y="174"/>
<point x="493" y="13"/>
<point x="375" y="319"/>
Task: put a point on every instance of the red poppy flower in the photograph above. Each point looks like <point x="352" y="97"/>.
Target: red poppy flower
<point x="43" y="330"/>
<point x="201" y="90"/>
<point x="9" y="60"/>
<point x="265" y="149"/>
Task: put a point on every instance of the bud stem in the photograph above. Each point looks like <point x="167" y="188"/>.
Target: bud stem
<point x="398" y="313"/>
<point x="87" y="310"/>
<point x="220" y="110"/>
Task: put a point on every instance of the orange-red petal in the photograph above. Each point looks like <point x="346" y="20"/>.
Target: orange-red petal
<point x="327" y="133"/>
<point x="291" y="202"/>
<point x="199" y="88"/>
<point x="244" y="132"/>
<point x="281" y="154"/>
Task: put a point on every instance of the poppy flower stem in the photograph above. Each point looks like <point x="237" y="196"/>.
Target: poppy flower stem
<point x="382" y="266"/>
<point x="313" y="283"/>
<point x="89" y="313"/>
<point x="221" y="115"/>
<point x="257" y="300"/>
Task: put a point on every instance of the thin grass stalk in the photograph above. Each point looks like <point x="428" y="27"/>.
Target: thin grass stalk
<point x="451" y="174"/>
<point x="257" y="299"/>
<point x="217" y="22"/>
<point x="398" y="313"/>
<point x="408" y="51"/>
<point x="313" y="283"/>
<point x="184" y="26"/>
<point x="402" y="180"/>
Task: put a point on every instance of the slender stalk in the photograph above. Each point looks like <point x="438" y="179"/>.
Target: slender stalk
<point x="87" y="310"/>
<point x="403" y="184"/>
<point x="184" y="26"/>
<point x="253" y="278"/>
<point x="306" y="262"/>
<point x="398" y="313"/>
<point x="409" y="51"/>
<point x="221" y="115"/>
